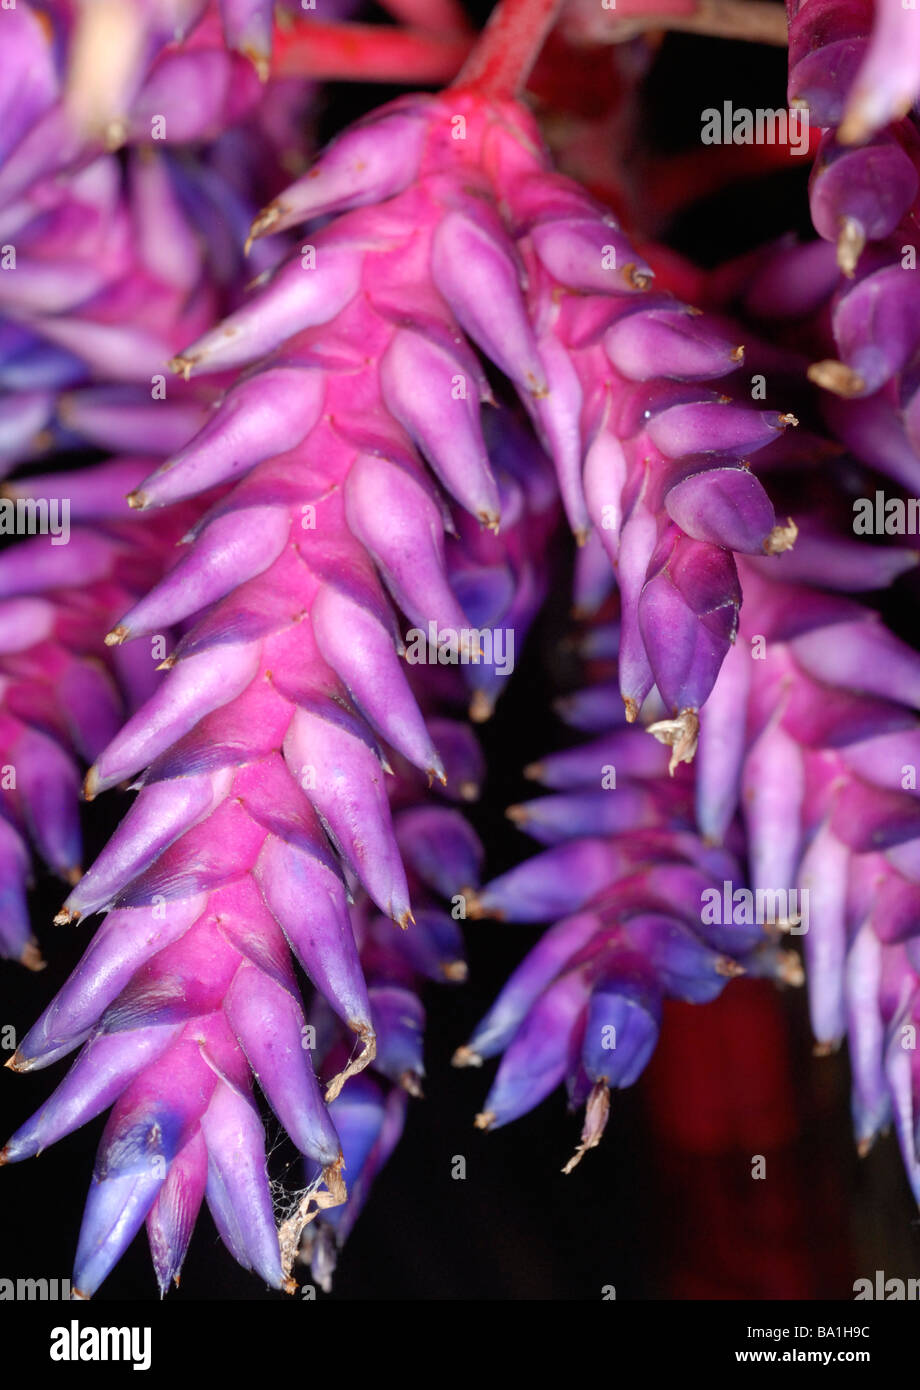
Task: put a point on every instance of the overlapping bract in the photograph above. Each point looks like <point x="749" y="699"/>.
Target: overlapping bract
<point x="853" y="64"/>
<point x="626" y="874"/>
<point x="864" y="199"/>
<point x="262" y="806"/>
<point x="108" y="266"/>
<point x="824" y="769"/>
<point x="449" y="216"/>
<point x="61" y="698"/>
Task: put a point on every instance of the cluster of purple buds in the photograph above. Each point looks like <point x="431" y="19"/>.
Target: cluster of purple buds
<point x="443" y="858"/>
<point x="262" y="807"/>
<point x="59" y="703"/>
<point x="109" y="266"/>
<point x="613" y="375"/>
<point x="857" y="70"/>
<point x="628" y="876"/>
<point x="824" y="772"/>
<point x="853" y="65"/>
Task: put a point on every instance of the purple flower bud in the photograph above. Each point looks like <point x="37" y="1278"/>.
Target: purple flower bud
<point x="860" y="195"/>
<point x="303" y="291"/>
<point x="122" y="944"/>
<point x="823" y="874"/>
<point x="161" y="813"/>
<point x="262" y="416"/>
<point x="727" y="507"/>
<point x="537" y="1057"/>
<point x="688" y="616"/>
<point x="171" y="1219"/>
<point x="441" y="847"/>
<point x="714" y="427"/>
<point x="668" y="342"/>
<point x="115" y="1210"/>
<point x="268" y="1022"/>
<point x="537" y="970"/>
<point x="686" y="968"/>
<point x="373" y="160"/>
<point x="558" y="881"/>
<point x="419" y="381"/>
<point x="553" y="819"/>
<point x="584" y="765"/>
<point x="108" y="1062"/>
<point x="621" y="1030"/>
<point x="362" y="652"/>
<point x="875" y="330"/>
<point x="322" y="938"/>
<point x="399" y="1022"/>
<point x="392" y="515"/>
<point x="237" y="1188"/>
<point x="193" y="688"/>
<point x="474" y="269"/>
<point x="826" y="45"/>
<point x="351" y="801"/>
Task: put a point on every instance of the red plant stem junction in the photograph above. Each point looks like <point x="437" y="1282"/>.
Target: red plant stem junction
<point x="510" y="44"/>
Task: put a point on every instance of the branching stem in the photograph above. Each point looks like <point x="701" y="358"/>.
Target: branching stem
<point x="508" y="47"/>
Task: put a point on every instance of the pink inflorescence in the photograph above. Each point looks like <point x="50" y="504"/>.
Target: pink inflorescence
<point x="343" y="521"/>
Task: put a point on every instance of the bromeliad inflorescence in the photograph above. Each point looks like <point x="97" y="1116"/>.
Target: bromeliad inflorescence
<point x="440" y="348"/>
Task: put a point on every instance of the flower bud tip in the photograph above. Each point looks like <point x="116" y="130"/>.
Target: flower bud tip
<point x="32" y="957"/>
<point x="182" y="366"/>
<point x="781" y="538"/>
<point x="680" y="734"/>
<point x="263" y="224"/>
<point x="837" y="378"/>
<point x="850" y="244"/>
<point x="481" y="707"/>
<point x="410" y="1081"/>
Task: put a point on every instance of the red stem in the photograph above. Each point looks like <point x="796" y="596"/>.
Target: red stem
<point x="434" y="16"/>
<point x="510" y="44"/>
<point x="366" y="53"/>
